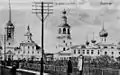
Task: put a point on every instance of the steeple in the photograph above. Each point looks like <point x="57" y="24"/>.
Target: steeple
<point x="9" y="11"/>
<point x="87" y="42"/>
<point x="93" y="35"/>
<point x="64" y="20"/>
<point x="64" y="16"/>
<point x="9" y="28"/>
<point x="28" y="34"/>
<point x="28" y="28"/>
<point x="103" y="34"/>
<point x="10" y="24"/>
<point x="103" y="28"/>
<point x="93" y="40"/>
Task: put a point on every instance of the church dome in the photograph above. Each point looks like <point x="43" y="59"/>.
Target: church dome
<point x="93" y="41"/>
<point x="64" y="20"/>
<point x="103" y="33"/>
<point x="87" y="43"/>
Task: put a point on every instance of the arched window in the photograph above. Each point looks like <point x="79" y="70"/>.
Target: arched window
<point x="92" y="51"/>
<point x="78" y="51"/>
<point x="87" y="51"/>
<point x="105" y="53"/>
<point x="64" y="31"/>
<point x="112" y="52"/>
<point x="74" y="51"/>
<point x="63" y="49"/>
<point x="98" y="52"/>
<point x="59" y="30"/>
<point x="68" y="31"/>
<point x="83" y="51"/>
<point x="28" y="47"/>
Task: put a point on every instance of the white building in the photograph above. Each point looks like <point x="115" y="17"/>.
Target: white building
<point x="91" y="48"/>
<point x="28" y="49"/>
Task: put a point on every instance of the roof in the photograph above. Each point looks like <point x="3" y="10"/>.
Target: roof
<point x="67" y="52"/>
<point x="37" y="47"/>
<point x="105" y="44"/>
<point x="64" y="25"/>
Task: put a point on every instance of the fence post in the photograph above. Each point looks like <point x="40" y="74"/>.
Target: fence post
<point x="102" y="72"/>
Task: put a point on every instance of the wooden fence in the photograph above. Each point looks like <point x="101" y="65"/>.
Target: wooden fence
<point x="62" y="70"/>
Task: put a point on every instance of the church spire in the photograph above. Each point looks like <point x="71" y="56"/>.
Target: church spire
<point x="28" y="34"/>
<point x="64" y="16"/>
<point x="9" y="11"/>
<point x="103" y="28"/>
<point x="93" y="35"/>
<point x="28" y="28"/>
<point x="93" y="40"/>
<point x="87" y="42"/>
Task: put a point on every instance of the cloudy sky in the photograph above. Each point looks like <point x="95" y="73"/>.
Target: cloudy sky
<point x="84" y="19"/>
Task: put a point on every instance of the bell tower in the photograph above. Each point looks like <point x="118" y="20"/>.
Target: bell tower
<point x="64" y="35"/>
<point x="9" y="28"/>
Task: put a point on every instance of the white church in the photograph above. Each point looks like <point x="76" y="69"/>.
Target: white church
<point x="92" y="48"/>
<point x="26" y="50"/>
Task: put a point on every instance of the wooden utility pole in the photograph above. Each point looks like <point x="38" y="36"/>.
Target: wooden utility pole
<point x="44" y="10"/>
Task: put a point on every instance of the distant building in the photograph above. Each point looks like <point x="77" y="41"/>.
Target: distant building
<point x="28" y="49"/>
<point x="64" y="35"/>
<point x="91" y="48"/>
<point x="49" y="56"/>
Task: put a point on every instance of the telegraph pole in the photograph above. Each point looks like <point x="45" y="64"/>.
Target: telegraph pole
<point x="44" y="14"/>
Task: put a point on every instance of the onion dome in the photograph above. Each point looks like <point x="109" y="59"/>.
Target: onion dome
<point x="103" y="33"/>
<point x="87" y="43"/>
<point x="83" y="46"/>
<point x="64" y="18"/>
<point x="93" y="41"/>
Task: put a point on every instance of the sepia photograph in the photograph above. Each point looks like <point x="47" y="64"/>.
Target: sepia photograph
<point x="59" y="37"/>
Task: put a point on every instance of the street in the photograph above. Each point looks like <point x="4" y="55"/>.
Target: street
<point x="4" y="71"/>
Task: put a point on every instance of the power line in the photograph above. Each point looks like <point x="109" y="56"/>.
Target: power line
<point x="43" y="8"/>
